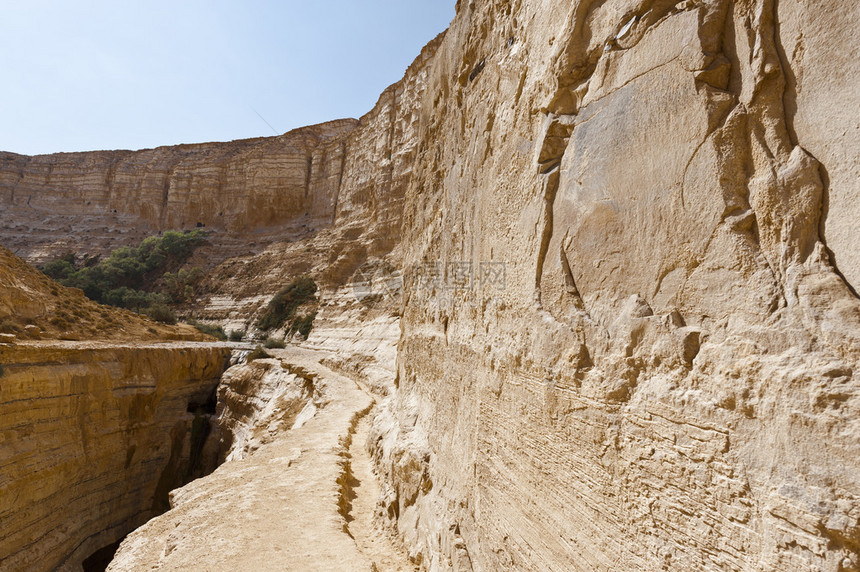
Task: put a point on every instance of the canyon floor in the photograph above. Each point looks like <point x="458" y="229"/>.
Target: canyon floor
<point x="288" y="500"/>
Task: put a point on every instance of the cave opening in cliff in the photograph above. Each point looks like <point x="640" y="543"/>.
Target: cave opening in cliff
<point x="99" y="560"/>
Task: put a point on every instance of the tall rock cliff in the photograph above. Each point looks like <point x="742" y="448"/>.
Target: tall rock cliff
<point x="631" y="340"/>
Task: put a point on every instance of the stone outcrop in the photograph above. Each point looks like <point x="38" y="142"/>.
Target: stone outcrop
<point x="94" y="436"/>
<point x="665" y="378"/>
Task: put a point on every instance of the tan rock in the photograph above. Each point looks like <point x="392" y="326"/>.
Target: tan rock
<point x="283" y="500"/>
<point x="94" y="437"/>
<point x="655" y="386"/>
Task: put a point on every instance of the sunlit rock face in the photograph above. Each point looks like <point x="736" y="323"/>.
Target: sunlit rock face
<point x="665" y="377"/>
<point x="114" y="197"/>
<point x="95" y="435"/>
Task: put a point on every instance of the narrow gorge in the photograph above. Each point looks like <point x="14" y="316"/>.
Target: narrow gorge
<point x="587" y="301"/>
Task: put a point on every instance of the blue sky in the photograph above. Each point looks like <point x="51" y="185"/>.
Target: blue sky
<point x="114" y="74"/>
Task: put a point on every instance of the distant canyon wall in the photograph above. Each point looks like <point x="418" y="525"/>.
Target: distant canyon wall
<point x="236" y="186"/>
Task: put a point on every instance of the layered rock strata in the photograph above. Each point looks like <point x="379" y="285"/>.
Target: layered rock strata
<point x="635" y="349"/>
<point x="94" y="436"/>
<point x="115" y="197"/>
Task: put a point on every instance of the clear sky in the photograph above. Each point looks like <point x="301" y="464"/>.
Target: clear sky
<point x="117" y="74"/>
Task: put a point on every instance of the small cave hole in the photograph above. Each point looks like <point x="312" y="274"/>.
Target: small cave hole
<point x="98" y="561"/>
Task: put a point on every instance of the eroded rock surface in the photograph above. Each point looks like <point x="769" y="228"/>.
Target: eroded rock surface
<point x="94" y="436"/>
<point x="666" y="377"/>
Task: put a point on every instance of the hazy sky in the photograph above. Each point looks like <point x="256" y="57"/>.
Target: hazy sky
<point x="114" y="74"/>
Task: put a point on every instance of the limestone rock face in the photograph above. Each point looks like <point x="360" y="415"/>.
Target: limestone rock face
<point x="821" y="96"/>
<point x="258" y="400"/>
<point x="94" y="436"/>
<point x="626" y="345"/>
<point x="238" y="187"/>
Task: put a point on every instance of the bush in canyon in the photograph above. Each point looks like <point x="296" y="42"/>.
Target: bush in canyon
<point x="236" y="335"/>
<point x="284" y="304"/>
<point x="303" y="324"/>
<point x="257" y="353"/>
<point x="138" y="278"/>
<point x="209" y="329"/>
<point x="161" y="313"/>
<point x="274" y="343"/>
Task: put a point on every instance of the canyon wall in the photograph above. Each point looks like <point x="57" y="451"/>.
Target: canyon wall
<point x="94" y="436"/>
<point x="116" y="197"/>
<point x="628" y="343"/>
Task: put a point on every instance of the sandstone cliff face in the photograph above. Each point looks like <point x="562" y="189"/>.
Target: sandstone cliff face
<point x="114" y="197"/>
<point x="665" y="378"/>
<point x="94" y="436"/>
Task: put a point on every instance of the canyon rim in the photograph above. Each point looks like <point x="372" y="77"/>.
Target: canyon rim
<point x="587" y="301"/>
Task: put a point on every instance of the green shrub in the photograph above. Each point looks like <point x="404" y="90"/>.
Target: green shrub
<point x="271" y="343"/>
<point x="61" y="268"/>
<point x="283" y="305"/>
<point x="180" y="285"/>
<point x="303" y="324"/>
<point x="236" y="335"/>
<point x="161" y="313"/>
<point x="209" y="329"/>
<point x="130" y="269"/>
<point x="257" y="353"/>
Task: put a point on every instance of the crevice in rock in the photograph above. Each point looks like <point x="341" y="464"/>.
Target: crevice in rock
<point x="339" y="182"/>
<point x="550" y="188"/>
<point x="346" y="480"/>
<point x="99" y="560"/>
<point x="309" y="166"/>
<point x="789" y="94"/>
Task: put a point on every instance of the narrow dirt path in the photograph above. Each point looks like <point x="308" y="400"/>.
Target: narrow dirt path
<point x="282" y="506"/>
<point x="369" y="536"/>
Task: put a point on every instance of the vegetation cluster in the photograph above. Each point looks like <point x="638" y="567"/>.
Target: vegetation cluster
<point x="147" y="279"/>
